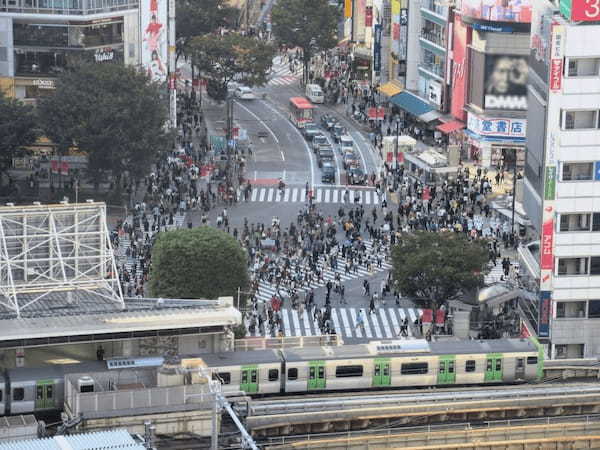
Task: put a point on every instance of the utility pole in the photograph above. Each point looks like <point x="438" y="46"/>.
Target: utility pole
<point x="247" y="16"/>
<point x="514" y="196"/>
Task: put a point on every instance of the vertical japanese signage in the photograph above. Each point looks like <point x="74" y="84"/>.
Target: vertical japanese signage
<point x="557" y="57"/>
<point x="395" y="29"/>
<point x="153" y="19"/>
<point x="369" y="16"/>
<point x="377" y="30"/>
<point x="458" y="76"/>
<point x="348" y="8"/>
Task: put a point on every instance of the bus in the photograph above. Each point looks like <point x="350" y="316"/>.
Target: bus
<point x="301" y="111"/>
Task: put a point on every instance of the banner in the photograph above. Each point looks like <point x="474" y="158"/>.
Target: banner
<point x="153" y="19"/>
<point x="377" y="30"/>
<point x="369" y="16"/>
<point x="544" y="314"/>
<point x="557" y="57"/>
<point x="348" y="8"/>
<point x="547" y="250"/>
<point x="497" y="11"/>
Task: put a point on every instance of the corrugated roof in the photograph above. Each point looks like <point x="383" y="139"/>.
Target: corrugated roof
<point x="101" y="440"/>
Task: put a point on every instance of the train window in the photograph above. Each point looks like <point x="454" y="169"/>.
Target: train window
<point x="244" y="377"/>
<point x="253" y="376"/>
<point x="470" y="365"/>
<point x="520" y="363"/>
<point x="488" y="366"/>
<point x="498" y="364"/>
<point x="223" y="377"/>
<point x="532" y="360"/>
<point x="348" y="371"/>
<point x="18" y="394"/>
<point x="414" y="368"/>
<point x="273" y="374"/>
<point x="292" y="374"/>
<point x="0" y="395"/>
<point x="49" y="391"/>
<point x="451" y="367"/>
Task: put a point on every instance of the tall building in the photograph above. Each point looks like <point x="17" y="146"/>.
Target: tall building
<point x="40" y="38"/>
<point x="562" y="173"/>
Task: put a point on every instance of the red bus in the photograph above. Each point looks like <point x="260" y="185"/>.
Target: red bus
<point x="301" y="111"/>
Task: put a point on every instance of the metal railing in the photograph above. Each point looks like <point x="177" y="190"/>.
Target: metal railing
<point x="266" y="343"/>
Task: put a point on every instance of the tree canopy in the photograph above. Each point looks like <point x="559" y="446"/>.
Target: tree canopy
<point x="222" y="58"/>
<point x="110" y="111"/>
<point x="18" y="129"/>
<point x="196" y="263"/>
<point x="199" y="17"/>
<point x="308" y="24"/>
<point x="435" y="267"/>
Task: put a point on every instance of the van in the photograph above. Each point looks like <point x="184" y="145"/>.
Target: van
<point x="346" y="143"/>
<point x="315" y="93"/>
<point x="244" y="93"/>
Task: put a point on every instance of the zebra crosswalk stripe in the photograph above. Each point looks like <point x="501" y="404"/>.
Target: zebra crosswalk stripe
<point x="384" y="322"/>
<point x="332" y="195"/>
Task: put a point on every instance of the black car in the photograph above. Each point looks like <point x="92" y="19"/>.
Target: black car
<point x="337" y="132"/>
<point x="310" y="130"/>
<point x="328" y="121"/>
<point x="328" y="172"/>
<point x="355" y="175"/>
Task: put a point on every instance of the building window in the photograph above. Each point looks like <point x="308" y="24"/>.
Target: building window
<point x="570" y="310"/>
<point x="569" y="351"/>
<point x="292" y="374"/>
<point x="584" y="67"/>
<point x="18" y="394"/>
<point x="580" y="120"/>
<point x="531" y="360"/>
<point x="470" y="366"/>
<point x="348" y="371"/>
<point x="273" y="374"/>
<point x="575" y="222"/>
<point x="596" y="222"/>
<point x="594" y="309"/>
<point x="578" y="171"/>
<point x="572" y="266"/>
<point x="595" y="265"/>
<point x="414" y="368"/>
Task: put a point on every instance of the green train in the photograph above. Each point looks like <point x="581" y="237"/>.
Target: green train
<point x="378" y="364"/>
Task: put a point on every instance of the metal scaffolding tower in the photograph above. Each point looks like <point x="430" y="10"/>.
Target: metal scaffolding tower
<point x="62" y="249"/>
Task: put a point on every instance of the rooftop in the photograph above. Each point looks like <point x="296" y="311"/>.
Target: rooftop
<point x="102" y="440"/>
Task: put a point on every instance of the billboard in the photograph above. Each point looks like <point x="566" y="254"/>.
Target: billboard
<point x="580" y="10"/>
<point x="460" y="40"/>
<point x="506" y="82"/>
<point x="516" y="11"/>
<point x="541" y="31"/>
<point x="153" y="19"/>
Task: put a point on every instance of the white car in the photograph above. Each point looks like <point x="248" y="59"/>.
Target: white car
<point x="244" y="93"/>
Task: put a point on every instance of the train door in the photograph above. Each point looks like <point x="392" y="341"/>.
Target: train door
<point x="381" y="372"/>
<point x="249" y="379"/>
<point x="520" y="369"/>
<point x="447" y="370"/>
<point x="44" y="395"/>
<point x="493" y="367"/>
<point x="316" y="375"/>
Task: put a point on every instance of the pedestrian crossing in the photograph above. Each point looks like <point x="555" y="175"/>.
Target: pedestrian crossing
<point x="266" y="290"/>
<point x="496" y="273"/>
<point x="382" y="323"/>
<point x="321" y="195"/>
<point x="281" y="74"/>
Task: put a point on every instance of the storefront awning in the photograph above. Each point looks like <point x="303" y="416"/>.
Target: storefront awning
<point x="411" y="103"/>
<point x="390" y="88"/>
<point x="451" y="126"/>
<point x="430" y="116"/>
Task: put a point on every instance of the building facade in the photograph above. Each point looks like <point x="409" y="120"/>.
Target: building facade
<point x="562" y="174"/>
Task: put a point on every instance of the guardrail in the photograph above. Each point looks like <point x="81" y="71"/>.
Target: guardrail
<point x="264" y="343"/>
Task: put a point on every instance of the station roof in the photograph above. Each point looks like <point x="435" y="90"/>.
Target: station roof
<point x="88" y="321"/>
<point x="102" y="440"/>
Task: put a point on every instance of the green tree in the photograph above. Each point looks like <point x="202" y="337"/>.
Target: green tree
<point x="113" y="113"/>
<point x="435" y="267"/>
<point x="222" y="58"/>
<point x="308" y="24"/>
<point x="201" y="262"/>
<point x="17" y="129"/>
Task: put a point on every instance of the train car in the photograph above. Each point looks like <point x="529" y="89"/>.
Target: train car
<point x="254" y="372"/>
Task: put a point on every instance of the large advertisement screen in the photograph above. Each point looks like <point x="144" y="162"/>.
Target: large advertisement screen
<point x="506" y="82"/>
<point x="516" y="11"/>
<point x="154" y="38"/>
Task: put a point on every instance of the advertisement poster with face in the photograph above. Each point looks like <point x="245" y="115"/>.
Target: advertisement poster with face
<point x="518" y="11"/>
<point x="506" y="82"/>
<point x="154" y="38"/>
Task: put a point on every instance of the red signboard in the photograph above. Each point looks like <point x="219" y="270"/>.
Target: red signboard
<point x="369" y="16"/>
<point x="547" y="256"/>
<point x="556" y="69"/>
<point x="395" y="31"/>
<point x="585" y="10"/>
